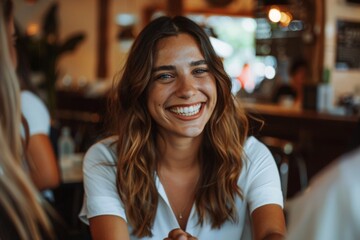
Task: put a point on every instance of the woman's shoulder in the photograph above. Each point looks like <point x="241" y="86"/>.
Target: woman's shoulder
<point x="31" y="101"/>
<point x="35" y="113"/>
<point x="253" y="146"/>
<point x="103" y="151"/>
<point x="256" y="152"/>
<point x="28" y="97"/>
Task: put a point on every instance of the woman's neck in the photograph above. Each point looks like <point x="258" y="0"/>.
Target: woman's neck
<point x="178" y="153"/>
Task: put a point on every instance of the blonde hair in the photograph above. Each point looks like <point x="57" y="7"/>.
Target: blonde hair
<point x="19" y="200"/>
<point x="224" y="134"/>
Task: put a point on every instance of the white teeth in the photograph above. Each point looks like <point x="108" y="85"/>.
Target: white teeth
<point x="186" y="111"/>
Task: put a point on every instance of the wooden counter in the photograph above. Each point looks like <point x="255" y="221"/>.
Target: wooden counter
<point x="320" y="137"/>
<point x="275" y="110"/>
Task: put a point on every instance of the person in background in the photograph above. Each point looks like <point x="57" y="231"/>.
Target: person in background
<point x="21" y="212"/>
<point x="180" y="163"/>
<point x="292" y="94"/>
<point x="42" y="162"/>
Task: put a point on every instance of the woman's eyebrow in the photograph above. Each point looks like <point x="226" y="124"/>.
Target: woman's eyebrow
<point x="164" y="67"/>
<point x="197" y="63"/>
<point x="171" y="67"/>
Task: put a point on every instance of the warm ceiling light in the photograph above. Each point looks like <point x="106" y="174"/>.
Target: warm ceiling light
<point x="32" y="29"/>
<point x="286" y="18"/>
<point x="274" y="14"/>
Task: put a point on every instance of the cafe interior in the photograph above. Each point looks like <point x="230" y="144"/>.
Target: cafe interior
<point x="75" y="49"/>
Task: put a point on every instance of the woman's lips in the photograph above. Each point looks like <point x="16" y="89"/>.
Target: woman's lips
<point x="187" y="112"/>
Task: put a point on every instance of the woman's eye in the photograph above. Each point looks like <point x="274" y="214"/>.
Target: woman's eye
<point x="200" y="71"/>
<point x="163" y="77"/>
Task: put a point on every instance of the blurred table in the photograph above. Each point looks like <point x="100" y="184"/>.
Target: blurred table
<point x="71" y="169"/>
<point x="291" y="112"/>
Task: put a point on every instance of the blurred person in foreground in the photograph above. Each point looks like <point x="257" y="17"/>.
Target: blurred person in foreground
<point x="330" y="207"/>
<point x="41" y="161"/>
<point x="21" y="213"/>
<point x="180" y="163"/>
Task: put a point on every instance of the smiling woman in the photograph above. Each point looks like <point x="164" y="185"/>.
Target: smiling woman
<point x="188" y="88"/>
<point x="180" y="162"/>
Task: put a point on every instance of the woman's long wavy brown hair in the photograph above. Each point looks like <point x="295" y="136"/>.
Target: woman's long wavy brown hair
<point x="224" y="136"/>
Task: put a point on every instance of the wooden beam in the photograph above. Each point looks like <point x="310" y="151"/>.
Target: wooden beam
<point x="102" y="44"/>
<point x="174" y="8"/>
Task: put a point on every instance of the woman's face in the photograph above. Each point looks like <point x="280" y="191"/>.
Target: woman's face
<point x="182" y="93"/>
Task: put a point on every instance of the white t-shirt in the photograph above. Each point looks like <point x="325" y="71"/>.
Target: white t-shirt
<point x="259" y="181"/>
<point x="38" y="120"/>
<point x="330" y="208"/>
<point x="36" y="113"/>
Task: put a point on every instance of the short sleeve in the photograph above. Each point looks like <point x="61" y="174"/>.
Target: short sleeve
<point x="101" y="196"/>
<point x="35" y="113"/>
<point x="263" y="180"/>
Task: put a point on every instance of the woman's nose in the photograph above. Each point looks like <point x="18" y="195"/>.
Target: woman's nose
<point x="186" y="87"/>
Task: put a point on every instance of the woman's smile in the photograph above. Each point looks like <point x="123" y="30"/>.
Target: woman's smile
<point x="186" y="111"/>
